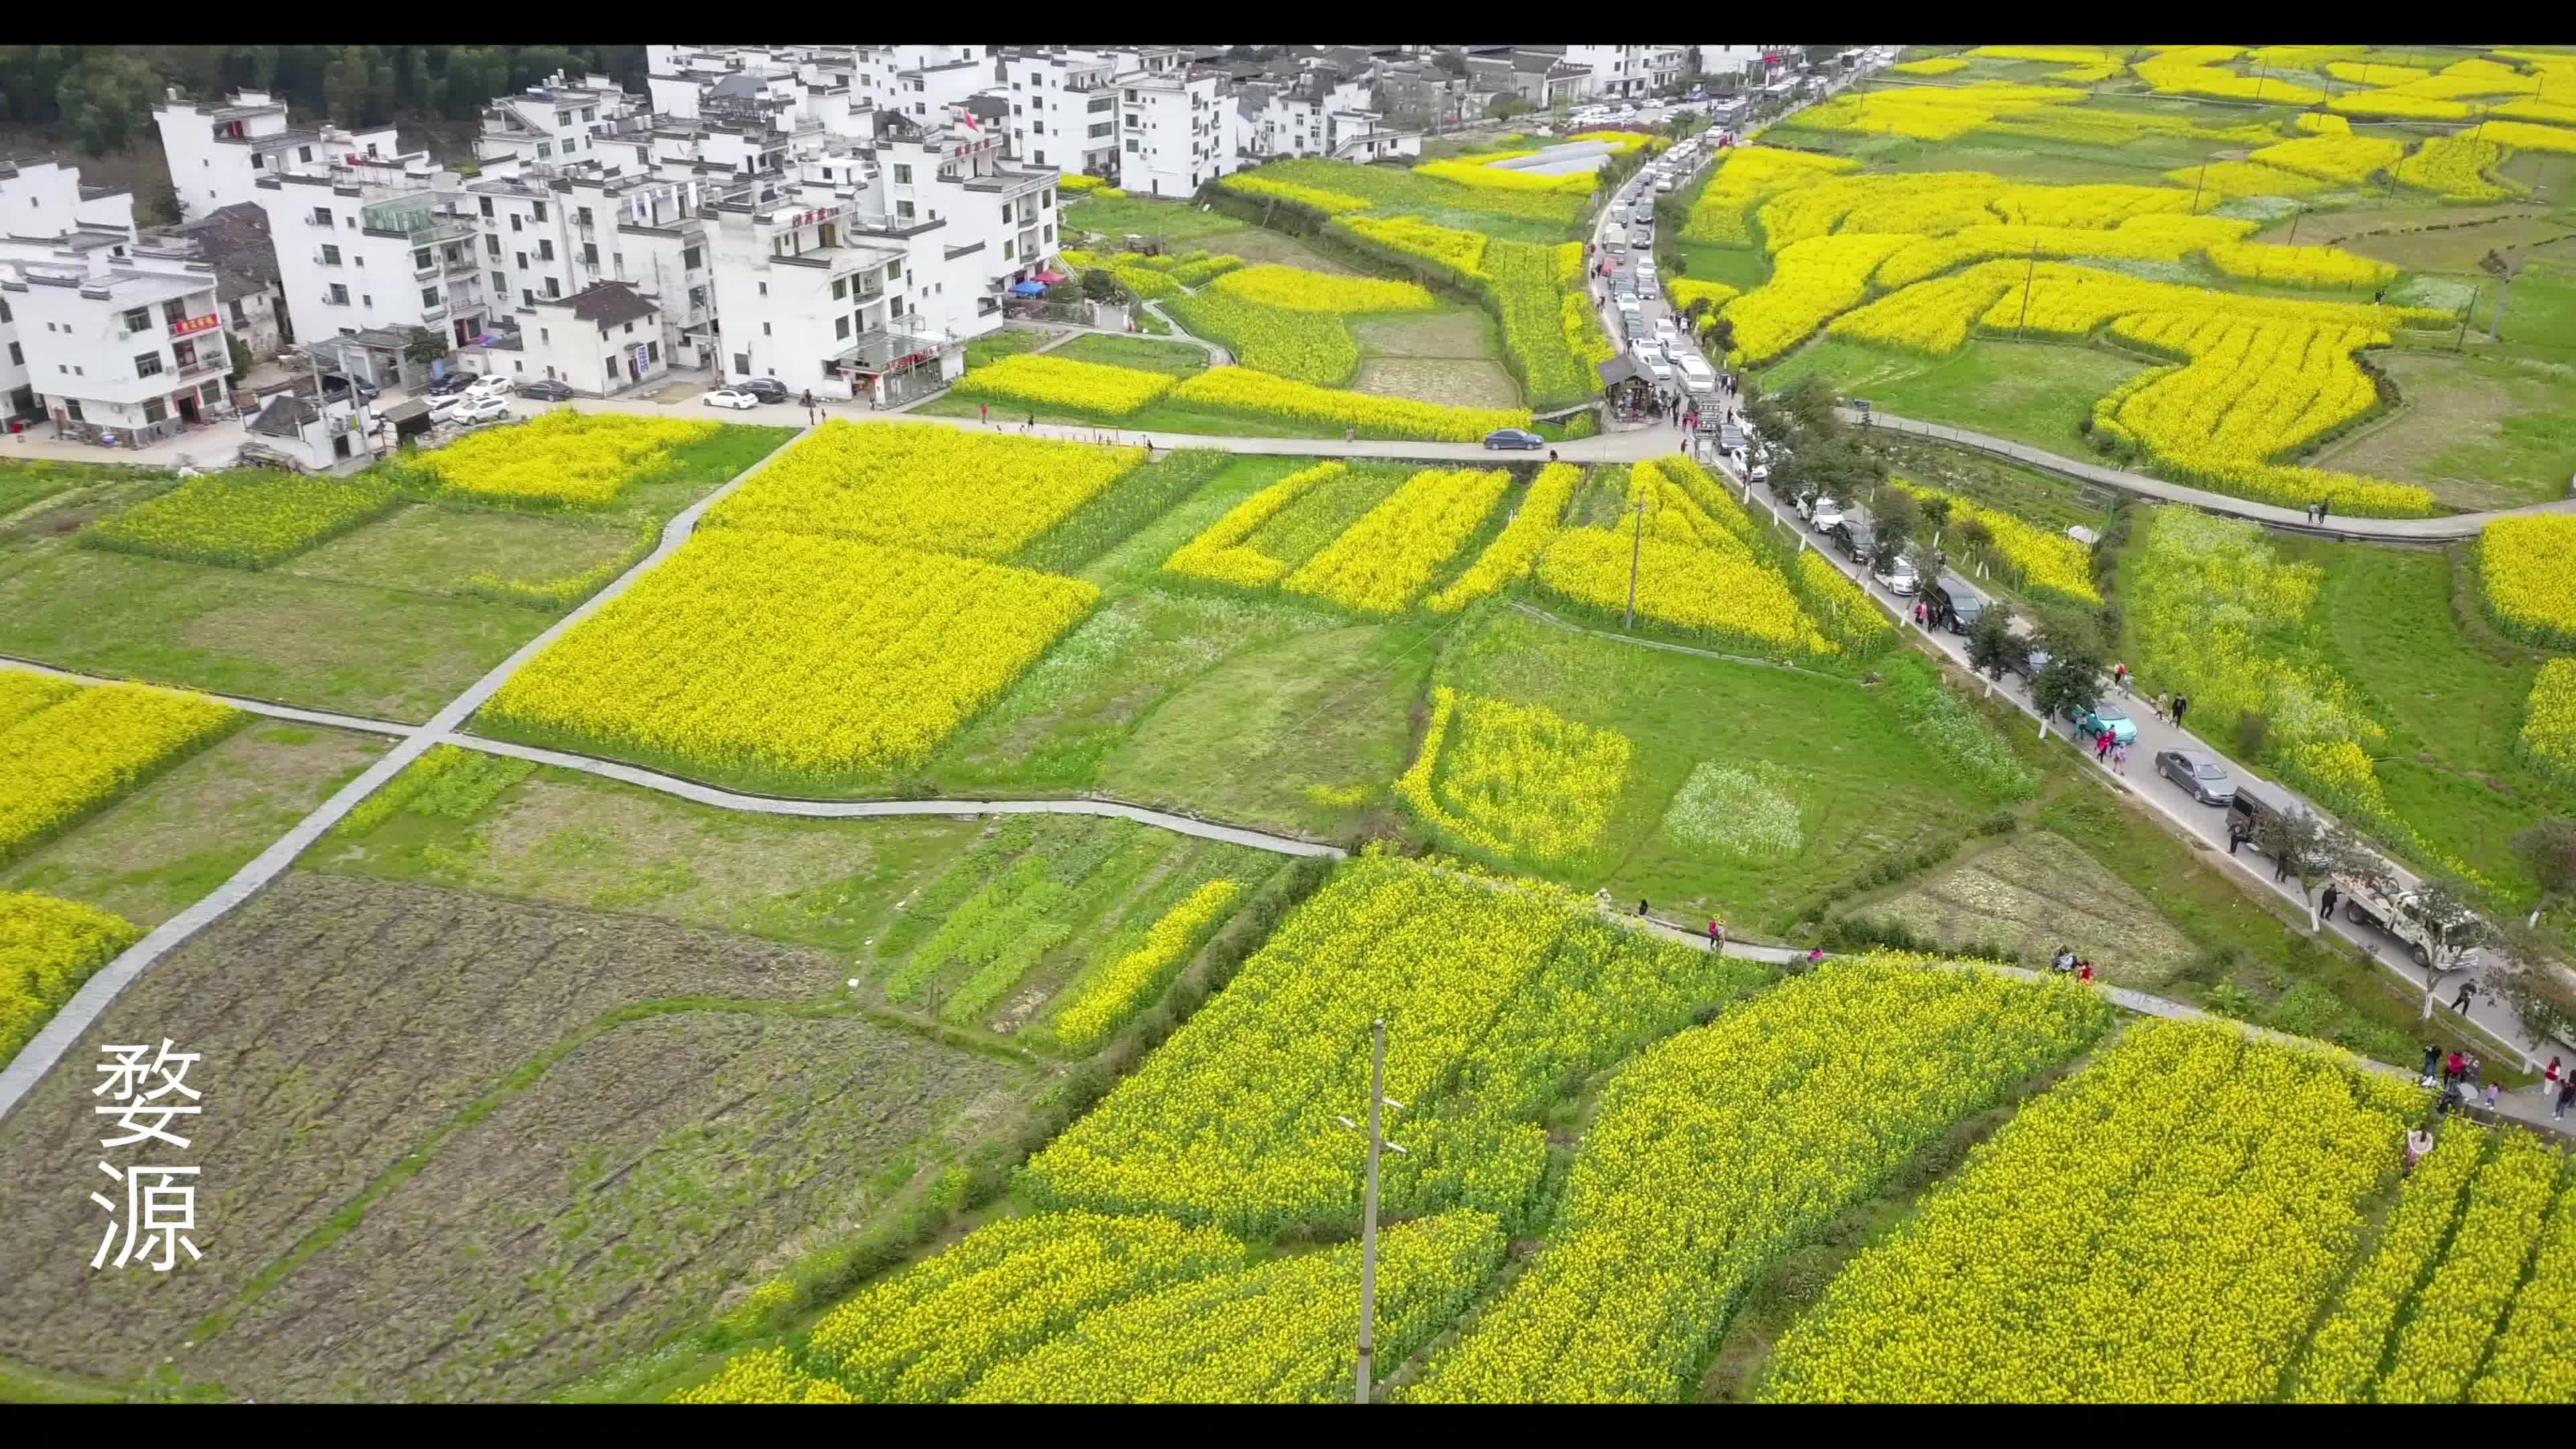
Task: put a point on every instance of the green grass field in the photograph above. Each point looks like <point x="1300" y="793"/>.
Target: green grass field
<point x="1116" y="217"/>
<point x="2031" y="392"/>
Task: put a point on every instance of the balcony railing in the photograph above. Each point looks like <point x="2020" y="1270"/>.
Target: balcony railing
<point x="423" y="274"/>
<point x="437" y="313"/>
<point x="204" y="365"/>
<point x="462" y="266"/>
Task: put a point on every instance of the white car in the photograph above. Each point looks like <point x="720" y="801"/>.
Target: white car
<point x="1825" y="514"/>
<point x="470" y="410"/>
<point x="1759" y="473"/>
<point x="1898" y="578"/>
<point x="1656" y="367"/>
<point x="1666" y="331"/>
<point x="731" y="397"/>
<point x="494" y="385"/>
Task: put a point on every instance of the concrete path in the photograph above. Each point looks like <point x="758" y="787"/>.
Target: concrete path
<point x="246" y="705"/>
<point x="2205" y="825"/>
<point x="2380" y="530"/>
<point x="860" y="809"/>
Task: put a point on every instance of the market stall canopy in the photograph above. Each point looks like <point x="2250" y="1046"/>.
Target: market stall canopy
<point x="1050" y="278"/>
<point x="1029" y="289"/>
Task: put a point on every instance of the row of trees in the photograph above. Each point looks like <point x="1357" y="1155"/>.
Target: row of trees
<point x="102" y="95"/>
<point x="2452" y="941"/>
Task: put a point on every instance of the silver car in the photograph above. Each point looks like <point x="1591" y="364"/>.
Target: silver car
<point x="2199" y="772"/>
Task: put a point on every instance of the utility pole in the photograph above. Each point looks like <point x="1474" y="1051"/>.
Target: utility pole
<point x="1368" y="1220"/>
<point x="2195" y="186"/>
<point x="2460" y="342"/>
<point x="1636" y="543"/>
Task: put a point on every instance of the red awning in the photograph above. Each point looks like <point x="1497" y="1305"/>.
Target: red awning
<point x="1050" y="278"/>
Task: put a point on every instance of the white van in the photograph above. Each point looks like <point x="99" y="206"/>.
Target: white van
<point x="1619" y="214"/>
<point x="1697" y="375"/>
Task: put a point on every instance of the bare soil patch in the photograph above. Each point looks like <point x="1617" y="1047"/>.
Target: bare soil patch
<point x="435" y="548"/>
<point x="340" y="1023"/>
<point x="2036" y="894"/>
<point x="2480" y="433"/>
<point x="1458" y="382"/>
<point x="1256" y="246"/>
<point x="1451" y="332"/>
<point x="618" y="1197"/>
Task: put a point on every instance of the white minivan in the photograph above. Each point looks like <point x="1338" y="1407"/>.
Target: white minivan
<point x="1697" y="376"/>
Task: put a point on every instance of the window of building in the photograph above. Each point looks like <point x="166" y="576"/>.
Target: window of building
<point x="16" y="357"/>
<point x="688" y="259"/>
<point x="155" y="410"/>
<point x="303" y="153"/>
<point x="429" y="296"/>
<point x="1041" y="158"/>
<point x="366" y="299"/>
<point x="523" y="260"/>
<point x="339" y="295"/>
<point x="840" y="326"/>
<point x="1046" y="198"/>
<point x="135" y="321"/>
<point x="764" y="329"/>
<point x="903" y="211"/>
<point x="515" y="222"/>
<point x="545" y="149"/>
<point x="742" y="362"/>
<point x="583" y="216"/>
<point x="1006" y="251"/>
<point x="902" y="174"/>
<point x="147" y="364"/>
<point x="545" y="334"/>
<point x="1049" y="230"/>
<point x="764" y="289"/>
<point x="553" y="287"/>
<point x="1131" y="145"/>
<point x="492" y="246"/>
<point x="590" y="254"/>
<point x="527" y="296"/>
<point x="537" y="209"/>
<point x="545" y="251"/>
<point x="500" y="285"/>
<point x="840" y="288"/>
<point x="321" y="216"/>
<point x="487" y="205"/>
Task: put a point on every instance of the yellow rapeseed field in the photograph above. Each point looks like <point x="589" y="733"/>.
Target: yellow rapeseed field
<point x="1515" y="781"/>
<point x="1515" y="549"/>
<point x="1301" y="290"/>
<point x="1220" y="553"/>
<point x="1381" y="562"/>
<point x="1240" y="389"/>
<point x="60" y="762"/>
<point x="1060" y="382"/>
<point x="2526" y="563"/>
<point x="791" y="657"/>
<point x="946" y="489"/>
<point x="48" y="947"/>
<point x="562" y="457"/>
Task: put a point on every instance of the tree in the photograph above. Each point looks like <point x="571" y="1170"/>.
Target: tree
<point x="1507" y="105"/>
<point x="1720" y="336"/>
<point x="424" y="346"/>
<point x="1450" y="61"/>
<point x="1936" y="513"/>
<point x="240" y="353"/>
<point x="1098" y="285"/>
<point x="2314" y="850"/>
<point x="2548" y="850"/>
<point x="1810" y="400"/>
<point x="1993" y="646"/>
<point x="1975" y="538"/>
<point x="2068" y="684"/>
<point x="1893" y="522"/>
<point x="161" y="203"/>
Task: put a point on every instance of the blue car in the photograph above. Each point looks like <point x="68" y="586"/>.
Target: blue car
<point x="2090" y="723"/>
<point x="1514" y="438"/>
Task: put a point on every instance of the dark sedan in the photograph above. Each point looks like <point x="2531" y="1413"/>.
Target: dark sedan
<point x="452" y="384"/>
<point x="546" y="389"/>
<point x="1514" y="438"/>
<point x="767" y="389"/>
<point x="2199" y="772"/>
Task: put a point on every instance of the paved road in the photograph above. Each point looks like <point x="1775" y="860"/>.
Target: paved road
<point x="2491" y="1017"/>
<point x="2384" y="530"/>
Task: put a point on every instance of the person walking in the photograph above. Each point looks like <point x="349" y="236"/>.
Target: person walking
<point x="2418" y="1143"/>
<point x="1031" y="423"/>
<point x="2453" y="1068"/>
<point x="2468" y="993"/>
<point x="2432" y="1059"/>
<point x="2566" y="1094"/>
<point x="809" y="408"/>
<point x="2280" y="867"/>
<point x="2063" y="962"/>
<point x="2102" y="747"/>
<point x="2119" y="758"/>
<point x="2492" y="1089"/>
<point x="2164" y="706"/>
<point x="987" y="410"/>
<point x="2237" y="834"/>
<point x="2181" y="703"/>
<point x="2084" y="972"/>
<point x="1641" y="908"/>
<point x="2326" y="904"/>
<point x="1716" y="935"/>
<point x="2120" y="676"/>
<point x="2549" y="1079"/>
<point x="2477" y="1070"/>
<point x="2325" y="506"/>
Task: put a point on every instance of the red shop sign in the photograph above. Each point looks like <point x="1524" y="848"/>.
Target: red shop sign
<point x="193" y="324"/>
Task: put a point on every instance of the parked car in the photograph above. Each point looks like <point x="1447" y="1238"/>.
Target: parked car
<point x="2199" y="772"/>
<point x="1657" y="365"/>
<point x="333" y="382"/>
<point x="491" y="385"/>
<point x="1955" y="606"/>
<point x="767" y="389"/>
<point x="547" y="389"/>
<point x="470" y="410"/>
<point x="731" y="397"/>
<point x="1514" y="438"/>
<point x="1898" y="577"/>
<point x="1640" y="238"/>
<point x="1854" y="536"/>
<point x="2105" y="715"/>
<point x="1759" y="473"/>
<point x="452" y="384"/>
<point x="444" y="410"/>
<point x="1824" y="513"/>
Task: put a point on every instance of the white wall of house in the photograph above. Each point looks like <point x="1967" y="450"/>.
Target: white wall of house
<point x="339" y="275"/>
<point x="1172" y="137"/>
<point x="120" y="346"/>
<point x="592" y="359"/>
